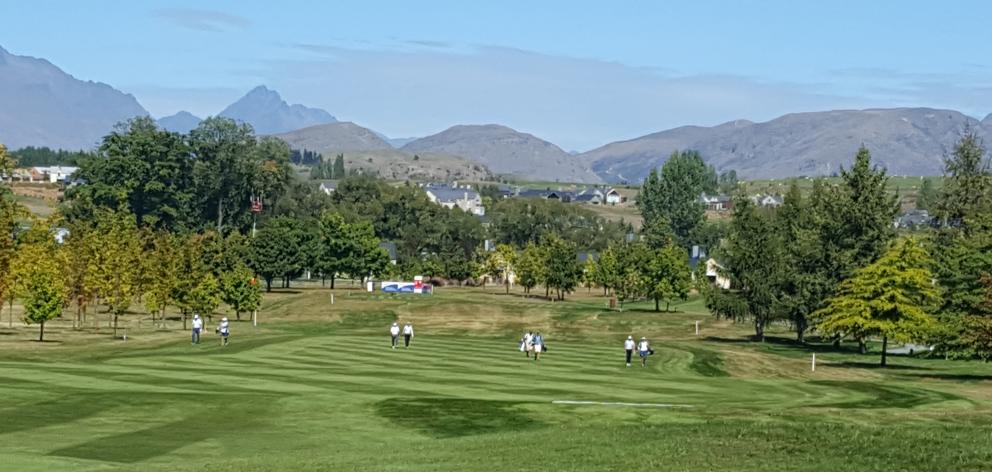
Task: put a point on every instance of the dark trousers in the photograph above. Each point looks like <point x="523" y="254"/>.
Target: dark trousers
<point x="406" y="340"/>
<point x="196" y="335"/>
<point x="629" y="353"/>
<point x="394" y="340"/>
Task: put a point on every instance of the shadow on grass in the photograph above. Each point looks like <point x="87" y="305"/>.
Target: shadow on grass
<point x="875" y="365"/>
<point x="778" y="342"/>
<point x="957" y="377"/>
<point x="455" y="417"/>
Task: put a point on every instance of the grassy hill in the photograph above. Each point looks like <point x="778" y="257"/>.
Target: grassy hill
<point x="315" y="387"/>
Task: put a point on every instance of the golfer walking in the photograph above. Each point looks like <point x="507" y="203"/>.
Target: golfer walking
<point x="197" y="328"/>
<point x="628" y="347"/>
<point x="394" y="333"/>
<point x="407" y="335"/>
<point x="538" y="345"/>
<point x="644" y="349"/>
<point x="225" y="331"/>
<point x="527" y="343"/>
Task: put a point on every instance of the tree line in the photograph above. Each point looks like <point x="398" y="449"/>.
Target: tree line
<point x="167" y="219"/>
<point x="832" y="262"/>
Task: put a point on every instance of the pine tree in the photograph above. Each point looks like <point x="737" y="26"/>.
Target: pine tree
<point x="339" y="170"/>
<point x="967" y="181"/>
<point x="890" y="298"/>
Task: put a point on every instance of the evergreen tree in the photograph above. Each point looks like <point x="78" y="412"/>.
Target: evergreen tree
<point x="756" y="261"/>
<point x="339" y="171"/>
<point x="673" y="195"/>
<point x="866" y="212"/>
<point x="889" y="298"/>
<point x="926" y="197"/>
<point x="967" y="181"/>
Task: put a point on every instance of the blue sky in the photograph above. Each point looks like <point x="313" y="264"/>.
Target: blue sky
<point x="578" y="73"/>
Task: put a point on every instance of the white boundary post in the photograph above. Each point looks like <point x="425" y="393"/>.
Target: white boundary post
<point x="697" y="327"/>
<point x="813" y="365"/>
<point x="254" y="318"/>
<point x="332" y="299"/>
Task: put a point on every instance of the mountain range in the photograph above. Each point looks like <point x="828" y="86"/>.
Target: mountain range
<point x="906" y="141"/>
<point x="41" y="105"/>
<point x="506" y="151"/>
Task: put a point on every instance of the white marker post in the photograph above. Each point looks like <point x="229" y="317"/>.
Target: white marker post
<point x="254" y="318"/>
<point x="813" y="365"/>
<point x="697" y="327"/>
<point x="332" y="299"/>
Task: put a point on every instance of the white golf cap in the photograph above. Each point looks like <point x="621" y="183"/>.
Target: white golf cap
<point x="225" y="319"/>
<point x="630" y="337"/>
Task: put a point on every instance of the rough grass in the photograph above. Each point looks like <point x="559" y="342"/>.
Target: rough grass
<point x="315" y="387"/>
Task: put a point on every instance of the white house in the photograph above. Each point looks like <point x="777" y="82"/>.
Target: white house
<point x="613" y="197"/>
<point x="767" y="200"/>
<point x="452" y="196"/>
<point x="54" y="174"/>
<point x="713" y="269"/>
<point x="328" y="187"/>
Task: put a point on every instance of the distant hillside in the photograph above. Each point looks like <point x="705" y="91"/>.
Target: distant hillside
<point x="506" y="151"/>
<point x="40" y="105"/>
<point x="397" y="165"/>
<point x="332" y="138"/>
<point x="181" y="122"/>
<point x="268" y="113"/>
<point x="906" y="141"/>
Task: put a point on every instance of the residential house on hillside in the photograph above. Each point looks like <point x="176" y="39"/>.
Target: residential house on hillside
<point x="613" y="197"/>
<point x="53" y="174"/>
<point x="328" y="187"/>
<point x="914" y="219"/>
<point x="717" y="202"/>
<point x="768" y="201"/>
<point x="592" y="196"/>
<point x="547" y="194"/>
<point x="713" y="273"/>
<point x="451" y="196"/>
<point x="390" y="248"/>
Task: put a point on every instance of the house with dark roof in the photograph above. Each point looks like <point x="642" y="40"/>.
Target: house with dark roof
<point x="547" y="194"/>
<point x="451" y="196"/>
<point x="914" y="219"/>
<point x="390" y="248"/>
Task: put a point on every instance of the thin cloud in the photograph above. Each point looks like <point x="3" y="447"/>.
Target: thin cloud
<point x="429" y="43"/>
<point x="212" y="21"/>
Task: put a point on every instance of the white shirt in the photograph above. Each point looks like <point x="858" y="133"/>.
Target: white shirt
<point x="394" y="330"/>
<point x="408" y="330"/>
<point x="197" y="323"/>
<point x="528" y="338"/>
<point x="224" y="327"/>
<point x="629" y="344"/>
<point x="644" y="346"/>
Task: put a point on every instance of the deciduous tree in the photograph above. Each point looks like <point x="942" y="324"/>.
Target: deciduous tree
<point x="890" y="298"/>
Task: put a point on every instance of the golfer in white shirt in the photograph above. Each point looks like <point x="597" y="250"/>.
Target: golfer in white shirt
<point x="394" y="333"/>
<point x="224" y="328"/>
<point x="628" y="346"/>
<point x="407" y="335"/>
<point x="197" y="328"/>
<point x="644" y="350"/>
